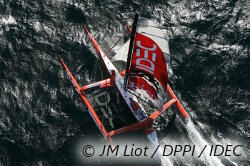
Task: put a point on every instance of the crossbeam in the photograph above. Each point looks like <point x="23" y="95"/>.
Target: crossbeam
<point x="146" y="124"/>
<point x="157" y="113"/>
<point x="182" y="112"/>
<point x="101" y="84"/>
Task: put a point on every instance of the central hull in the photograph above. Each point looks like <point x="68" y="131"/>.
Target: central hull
<point x="139" y="114"/>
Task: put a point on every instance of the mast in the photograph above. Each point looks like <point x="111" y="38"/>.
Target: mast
<point x="130" y="50"/>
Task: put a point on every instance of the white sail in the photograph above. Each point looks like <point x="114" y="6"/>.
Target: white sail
<point x="150" y="29"/>
<point x="122" y="53"/>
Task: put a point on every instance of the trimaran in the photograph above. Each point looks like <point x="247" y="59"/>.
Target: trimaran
<point x="146" y="75"/>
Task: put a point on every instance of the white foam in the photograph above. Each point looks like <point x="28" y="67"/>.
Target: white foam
<point x="9" y="20"/>
<point x="37" y="26"/>
<point x="200" y="142"/>
<point x="165" y="161"/>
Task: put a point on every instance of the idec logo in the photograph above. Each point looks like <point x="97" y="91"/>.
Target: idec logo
<point x="148" y="57"/>
<point x="146" y="62"/>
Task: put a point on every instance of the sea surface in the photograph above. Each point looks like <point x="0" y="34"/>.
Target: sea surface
<point x="42" y="117"/>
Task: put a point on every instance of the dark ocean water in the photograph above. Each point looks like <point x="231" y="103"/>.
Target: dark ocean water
<point x="41" y="116"/>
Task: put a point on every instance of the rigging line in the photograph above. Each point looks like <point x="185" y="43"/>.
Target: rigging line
<point x="118" y="41"/>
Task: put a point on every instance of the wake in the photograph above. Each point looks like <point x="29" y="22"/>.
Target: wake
<point x="200" y="142"/>
<point x="165" y="161"/>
